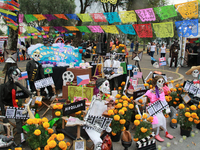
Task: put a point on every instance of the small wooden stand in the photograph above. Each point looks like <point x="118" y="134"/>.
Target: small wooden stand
<point x="98" y="61"/>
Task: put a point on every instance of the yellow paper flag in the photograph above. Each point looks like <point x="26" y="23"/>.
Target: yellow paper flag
<point x="110" y="29"/>
<point x="7" y="12"/>
<point x="85" y="17"/>
<point x="71" y="28"/>
<point x="188" y="9"/>
<point x="128" y="16"/>
<point x="163" y="30"/>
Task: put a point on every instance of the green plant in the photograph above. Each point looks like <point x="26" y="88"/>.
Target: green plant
<point x="58" y="113"/>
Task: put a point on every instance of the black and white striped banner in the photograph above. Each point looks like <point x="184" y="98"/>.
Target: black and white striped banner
<point x="145" y="141"/>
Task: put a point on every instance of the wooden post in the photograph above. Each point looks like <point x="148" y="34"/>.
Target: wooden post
<point x="78" y="131"/>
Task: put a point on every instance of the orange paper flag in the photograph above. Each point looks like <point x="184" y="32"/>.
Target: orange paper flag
<point x="39" y="17"/>
<point x="61" y="16"/>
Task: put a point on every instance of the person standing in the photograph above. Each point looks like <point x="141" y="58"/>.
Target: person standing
<point x="117" y="42"/>
<point x="136" y="46"/>
<point x="152" y="49"/>
<point x="27" y="46"/>
<point x="132" y="45"/>
<point x="111" y="44"/>
<point x="162" y="51"/>
<point x="148" y="48"/>
<point x="157" y="46"/>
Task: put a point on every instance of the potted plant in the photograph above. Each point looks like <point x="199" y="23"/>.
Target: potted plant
<point x="187" y="117"/>
<point x="198" y="114"/>
<point x="58" y="113"/>
<point x="56" y="142"/>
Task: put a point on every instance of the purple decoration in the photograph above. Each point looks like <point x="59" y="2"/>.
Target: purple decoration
<point x="96" y="91"/>
<point x="21" y="18"/>
<point x="46" y="32"/>
<point x="54" y="63"/>
<point x="50" y="17"/>
<point x="95" y="29"/>
<point x="43" y="62"/>
<point x="157" y="92"/>
<point x="60" y="29"/>
<point x="146" y="14"/>
<point x="48" y="62"/>
<point x="61" y="34"/>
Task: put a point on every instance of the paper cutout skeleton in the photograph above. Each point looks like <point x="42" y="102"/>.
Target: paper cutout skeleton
<point x="8" y="94"/>
<point x="154" y="95"/>
<point x="97" y="107"/>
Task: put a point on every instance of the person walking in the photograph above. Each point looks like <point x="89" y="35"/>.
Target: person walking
<point x="157" y="46"/>
<point x="152" y="49"/>
<point x="148" y="48"/>
<point x="136" y="46"/>
<point x="27" y="46"/>
<point x="162" y="51"/>
<point x="132" y="45"/>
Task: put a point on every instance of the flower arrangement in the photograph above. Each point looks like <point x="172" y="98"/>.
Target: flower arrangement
<point x="58" y="113"/>
<point x="94" y="50"/>
<point x="143" y="126"/>
<point x="79" y="114"/>
<point x="119" y="49"/>
<point x="56" y="142"/>
<point x="187" y="117"/>
<point x="38" y="131"/>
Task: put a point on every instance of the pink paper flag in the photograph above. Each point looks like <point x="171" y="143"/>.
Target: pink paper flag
<point x="137" y="75"/>
<point x="95" y="29"/>
<point x="21" y="18"/>
<point x="146" y="14"/>
<point x="44" y="36"/>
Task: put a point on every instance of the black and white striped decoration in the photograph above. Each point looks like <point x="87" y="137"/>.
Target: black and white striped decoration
<point x="98" y="123"/>
<point x="16" y="113"/>
<point x="146" y="139"/>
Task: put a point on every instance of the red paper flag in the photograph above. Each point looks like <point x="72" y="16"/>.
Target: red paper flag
<point x="143" y="30"/>
<point x="46" y="28"/>
<point x="61" y="16"/>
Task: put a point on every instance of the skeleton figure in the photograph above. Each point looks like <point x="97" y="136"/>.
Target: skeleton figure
<point x="36" y="72"/>
<point x="97" y="107"/>
<point x="158" y="95"/>
<point x="6" y="141"/>
<point x="195" y="73"/>
<point x="7" y="96"/>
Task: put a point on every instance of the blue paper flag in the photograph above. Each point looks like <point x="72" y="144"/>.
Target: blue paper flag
<point x="127" y="29"/>
<point x="112" y="17"/>
<point x="72" y="16"/>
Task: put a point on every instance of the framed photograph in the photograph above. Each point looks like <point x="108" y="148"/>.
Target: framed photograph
<point x="19" y="114"/>
<point x="186" y="98"/>
<point x="193" y="89"/>
<point x="10" y="112"/>
<point x="134" y="82"/>
<point x="187" y="86"/>
<point x="79" y="144"/>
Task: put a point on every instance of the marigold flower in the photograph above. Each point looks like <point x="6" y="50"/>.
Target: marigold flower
<point x="193" y="107"/>
<point x="196" y="121"/>
<point x="181" y="84"/>
<point x="187" y="114"/>
<point x="140" y="101"/>
<point x="52" y="144"/>
<point x="35" y="121"/>
<point x="119" y="105"/>
<point x="174" y="121"/>
<point x="120" y="100"/>
<point x="116" y="117"/>
<point x="113" y="133"/>
<point x="199" y="106"/>
<point x="131" y="106"/>
<point x="180" y="89"/>
<point x="29" y="121"/>
<point x="131" y="98"/>
<point x="135" y="139"/>
<point x="37" y="132"/>
<point x="176" y="114"/>
<point x="172" y="81"/>
<point x="123" y="51"/>
<point x="122" y="121"/>
<point x="116" y="101"/>
<point x="50" y="131"/>
<point x="115" y="111"/>
<point x="95" y="47"/>
<point x="193" y="115"/>
<point x="123" y="83"/>
<point x="146" y="84"/>
<point x="137" y="117"/>
<point x="136" y="122"/>
<point x="45" y="119"/>
<point x="118" y="96"/>
<point x="60" y="137"/>
<point x="150" y="86"/>
<point x="124" y="97"/>
<point x="120" y="88"/>
<point x="68" y="144"/>
<point x="177" y="85"/>
<point x="57" y="113"/>
<point x="55" y="106"/>
<point x="174" y="103"/>
<point x="62" y="144"/>
<point x="121" y="111"/>
<point x="166" y="115"/>
<point x="190" y="119"/>
<point x="60" y="106"/>
<point x="46" y="125"/>
<point x="187" y="109"/>
<point x="144" y="116"/>
<point x="124" y="128"/>
<point x="46" y="147"/>
<point x="143" y="130"/>
<point x="177" y="99"/>
<point x="78" y="112"/>
<point x="181" y="106"/>
<point x="124" y="108"/>
<point x="110" y="112"/>
<point x="16" y="100"/>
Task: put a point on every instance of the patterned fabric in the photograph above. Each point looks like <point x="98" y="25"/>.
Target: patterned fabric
<point x="112" y="17"/>
<point x="61" y="16"/>
<point x="166" y="12"/>
<point x="143" y="30"/>
<point x="30" y="18"/>
<point x="98" y="17"/>
<point x="163" y="30"/>
<point x="71" y="28"/>
<point x="110" y="29"/>
<point x="127" y="29"/>
<point x="83" y="29"/>
<point x="188" y="9"/>
<point x="39" y="17"/>
<point x="146" y="14"/>
<point x="7" y="12"/>
<point x="50" y="17"/>
<point x="186" y="28"/>
<point x="127" y="16"/>
<point x="95" y="29"/>
<point x="8" y="7"/>
<point x="85" y="17"/>
<point x="72" y="16"/>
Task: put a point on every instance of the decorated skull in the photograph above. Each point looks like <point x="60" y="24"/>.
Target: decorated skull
<point x="105" y="87"/>
<point x="36" y="55"/>
<point x="160" y="82"/>
<point x="195" y="73"/>
<point x="14" y="73"/>
<point x="113" y="56"/>
<point x="135" y="69"/>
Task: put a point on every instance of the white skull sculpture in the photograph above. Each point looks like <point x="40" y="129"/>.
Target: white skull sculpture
<point x="135" y="69"/>
<point x="105" y="87"/>
<point x="156" y="65"/>
<point x="15" y="75"/>
<point x="195" y="73"/>
<point x="36" y="55"/>
<point x="160" y="83"/>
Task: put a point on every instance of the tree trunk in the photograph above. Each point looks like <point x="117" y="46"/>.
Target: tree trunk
<point x="108" y="42"/>
<point x="144" y="44"/>
<point x="77" y="39"/>
<point x="12" y="39"/>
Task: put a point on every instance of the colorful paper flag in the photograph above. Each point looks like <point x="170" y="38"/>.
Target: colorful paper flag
<point x="24" y="75"/>
<point x="48" y="70"/>
<point x="83" y="79"/>
<point x="137" y="75"/>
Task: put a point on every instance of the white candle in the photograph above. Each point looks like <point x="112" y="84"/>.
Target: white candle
<point x="114" y="93"/>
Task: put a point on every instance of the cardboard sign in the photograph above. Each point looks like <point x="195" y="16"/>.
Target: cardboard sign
<point x="73" y="107"/>
<point x="191" y="88"/>
<point x="186" y="98"/>
<point x="97" y="123"/>
<point x="134" y="82"/>
<point x="162" y="61"/>
<point x="129" y="67"/>
<point x="21" y="95"/>
<point x="157" y="107"/>
<point x="17" y="113"/>
<point x="44" y="83"/>
<point x="79" y="145"/>
<point x="139" y="93"/>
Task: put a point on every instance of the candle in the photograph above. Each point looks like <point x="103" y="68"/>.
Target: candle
<point x="175" y="142"/>
<point x="181" y="140"/>
<point x="159" y="147"/>
<point x="168" y="144"/>
<point x="114" y="93"/>
<point x="184" y="137"/>
<point x="196" y="131"/>
<point x="192" y="134"/>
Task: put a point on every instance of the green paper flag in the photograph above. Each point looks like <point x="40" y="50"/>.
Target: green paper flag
<point x="53" y="35"/>
<point x="52" y="122"/>
<point x="83" y="29"/>
<point x="48" y="70"/>
<point x="166" y="12"/>
<point x="37" y="115"/>
<point x="30" y="18"/>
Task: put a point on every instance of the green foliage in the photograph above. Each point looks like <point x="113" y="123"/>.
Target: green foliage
<point x="115" y="125"/>
<point x="139" y="134"/>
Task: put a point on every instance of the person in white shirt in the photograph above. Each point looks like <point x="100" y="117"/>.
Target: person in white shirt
<point x="162" y="51"/>
<point x="152" y="49"/>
